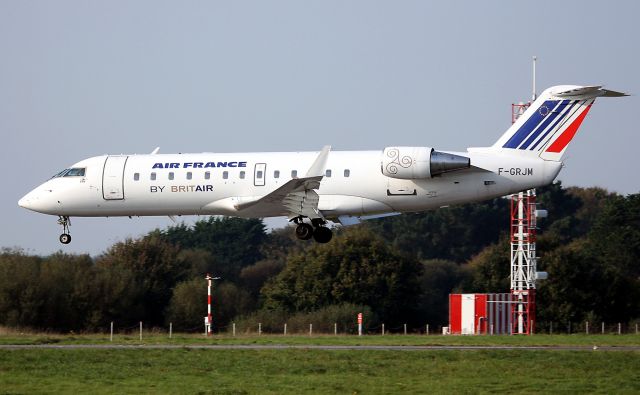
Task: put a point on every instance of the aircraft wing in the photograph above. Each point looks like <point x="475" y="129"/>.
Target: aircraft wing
<point x="297" y="196"/>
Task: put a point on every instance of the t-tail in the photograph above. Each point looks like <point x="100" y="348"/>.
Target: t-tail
<point x="547" y="127"/>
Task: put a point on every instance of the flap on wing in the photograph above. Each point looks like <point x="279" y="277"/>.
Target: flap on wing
<point x="296" y="196"/>
<point x="277" y="196"/>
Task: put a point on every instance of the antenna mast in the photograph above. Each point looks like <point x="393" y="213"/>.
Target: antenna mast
<point x="533" y="96"/>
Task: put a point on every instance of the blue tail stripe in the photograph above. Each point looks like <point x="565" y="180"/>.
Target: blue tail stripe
<point x="566" y="115"/>
<point x="552" y="116"/>
<point x="529" y="126"/>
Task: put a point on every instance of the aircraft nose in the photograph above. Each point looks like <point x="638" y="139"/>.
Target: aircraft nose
<point x="25" y="202"/>
<point x="38" y="200"/>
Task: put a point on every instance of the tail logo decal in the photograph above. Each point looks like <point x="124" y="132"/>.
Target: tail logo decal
<point x="532" y="125"/>
<point x="561" y="142"/>
<point x="562" y="118"/>
<point x="544" y="124"/>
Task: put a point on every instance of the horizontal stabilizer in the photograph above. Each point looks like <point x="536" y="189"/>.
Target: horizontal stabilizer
<point x="588" y="92"/>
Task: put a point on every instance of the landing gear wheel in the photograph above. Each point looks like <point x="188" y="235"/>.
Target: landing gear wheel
<point x="65" y="221"/>
<point x="322" y="234"/>
<point x="304" y="231"/>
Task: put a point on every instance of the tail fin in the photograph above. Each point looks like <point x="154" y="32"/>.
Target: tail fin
<point x="547" y="127"/>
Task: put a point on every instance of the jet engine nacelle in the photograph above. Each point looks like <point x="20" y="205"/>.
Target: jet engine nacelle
<point x="410" y="163"/>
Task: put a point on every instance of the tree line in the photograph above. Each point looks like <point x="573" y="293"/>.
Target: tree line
<point x="397" y="270"/>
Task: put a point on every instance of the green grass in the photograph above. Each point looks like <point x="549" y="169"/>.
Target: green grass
<point x="419" y="340"/>
<point x="316" y="371"/>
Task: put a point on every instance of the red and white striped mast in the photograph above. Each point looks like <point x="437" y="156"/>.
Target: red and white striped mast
<point x="523" y="245"/>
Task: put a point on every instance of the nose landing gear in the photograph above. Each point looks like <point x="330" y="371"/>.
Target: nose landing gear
<point x="319" y="232"/>
<point x="65" y="221"/>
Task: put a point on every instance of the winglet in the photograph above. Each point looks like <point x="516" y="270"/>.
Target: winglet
<point x="155" y="151"/>
<point x="318" y="166"/>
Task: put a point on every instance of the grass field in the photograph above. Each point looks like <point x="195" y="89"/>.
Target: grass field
<point x="206" y="371"/>
<point x="316" y="371"/>
<point x="12" y="337"/>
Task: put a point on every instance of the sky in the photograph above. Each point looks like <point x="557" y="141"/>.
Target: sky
<point x="86" y="78"/>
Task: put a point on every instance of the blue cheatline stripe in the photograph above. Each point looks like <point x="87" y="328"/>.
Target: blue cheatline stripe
<point x="554" y="114"/>
<point x="529" y="125"/>
<point x="567" y="115"/>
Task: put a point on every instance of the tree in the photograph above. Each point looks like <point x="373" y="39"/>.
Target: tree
<point x="155" y="268"/>
<point x="439" y="278"/>
<point x="356" y="267"/>
<point x="455" y="233"/>
<point x="232" y="242"/>
<point x="188" y="304"/>
<point x="489" y="271"/>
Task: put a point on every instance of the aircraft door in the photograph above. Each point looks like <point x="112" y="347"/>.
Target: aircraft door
<point x="113" y="177"/>
<point x="260" y="174"/>
<point x="398" y="187"/>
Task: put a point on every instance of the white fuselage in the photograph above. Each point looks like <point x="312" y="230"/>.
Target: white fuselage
<point x="214" y="184"/>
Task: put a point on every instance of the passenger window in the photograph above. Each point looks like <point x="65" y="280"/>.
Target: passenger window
<point x="242" y="175"/>
<point x="225" y="174"/>
<point x="153" y="176"/>
<point x="207" y="175"/>
<point x="347" y="172"/>
<point x="171" y="175"/>
<point x="294" y="173"/>
<point x="136" y="176"/>
<point x="259" y="174"/>
<point x="276" y="174"/>
<point x="328" y="173"/>
<point x="189" y="175"/>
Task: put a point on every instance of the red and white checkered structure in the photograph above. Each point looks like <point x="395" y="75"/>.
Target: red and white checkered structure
<point x="476" y="314"/>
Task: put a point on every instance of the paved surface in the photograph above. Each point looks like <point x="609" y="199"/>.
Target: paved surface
<point x="307" y="347"/>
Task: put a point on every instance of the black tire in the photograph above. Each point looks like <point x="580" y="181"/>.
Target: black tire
<point x="322" y="234"/>
<point x="65" y="238"/>
<point x="304" y="231"/>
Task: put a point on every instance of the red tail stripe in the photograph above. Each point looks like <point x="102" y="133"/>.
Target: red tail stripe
<point x="564" y="139"/>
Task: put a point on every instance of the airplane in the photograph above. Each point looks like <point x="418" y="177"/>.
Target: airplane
<point x="315" y="188"/>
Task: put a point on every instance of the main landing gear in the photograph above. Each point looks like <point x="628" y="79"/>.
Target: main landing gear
<point x="317" y="230"/>
<point x="65" y="221"/>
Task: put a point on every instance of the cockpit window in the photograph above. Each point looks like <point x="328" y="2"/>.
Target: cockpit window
<point x="73" y="172"/>
<point x="60" y="174"/>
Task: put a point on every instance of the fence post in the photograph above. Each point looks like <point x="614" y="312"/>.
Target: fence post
<point x="140" y="330"/>
<point x="111" y="335"/>
<point x="335" y="328"/>
<point x="427" y="329"/>
<point x="233" y="328"/>
<point x="531" y="328"/>
<point x="587" y="327"/>
<point x="405" y="329"/>
<point x="259" y="328"/>
<point x="170" y="330"/>
<point x="285" y="329"/>
<point x="310" y="329"/>
<point x="619" y="328"/>
<point x="491" y="326"/>
<point x="382" y="329"/>
<point x="603" y="328"/>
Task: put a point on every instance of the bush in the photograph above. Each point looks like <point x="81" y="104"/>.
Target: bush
<point x="323" y="320"/>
